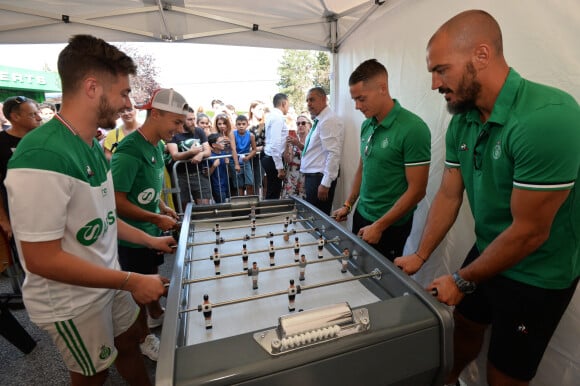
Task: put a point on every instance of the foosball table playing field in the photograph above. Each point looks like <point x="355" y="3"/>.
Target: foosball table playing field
<point x="277" y="293"/>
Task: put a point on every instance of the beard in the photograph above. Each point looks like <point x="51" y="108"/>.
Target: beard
<point x="467" y="92"/>
<point x="107" y="115"/>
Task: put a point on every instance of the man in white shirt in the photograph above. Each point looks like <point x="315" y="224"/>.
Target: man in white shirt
<point x="322" y="151"/>
<point x="276" y="133"/>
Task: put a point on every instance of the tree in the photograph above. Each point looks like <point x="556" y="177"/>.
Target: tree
<point x="144" y="82"/>
<point x="300" y="71"/>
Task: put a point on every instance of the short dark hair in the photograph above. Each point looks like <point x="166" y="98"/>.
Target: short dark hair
<point x="212" y="138"/>
<point x="367" y="70"/>
<point x="318" y="90"/>
<point x="279" y="98"/>
<point x="241" y="118"/>
<point x="86" y="53"/>
<point x="12" y="105"/>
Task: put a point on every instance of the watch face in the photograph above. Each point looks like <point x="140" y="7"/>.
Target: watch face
<point x="464" y="286"/>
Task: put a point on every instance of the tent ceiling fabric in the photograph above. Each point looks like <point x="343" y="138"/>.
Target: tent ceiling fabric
<point x="298" y="24"/>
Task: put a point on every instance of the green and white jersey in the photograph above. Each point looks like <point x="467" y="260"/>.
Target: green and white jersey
<point x="531" y="141"/>
<point x="137" y="168"/>
<point x="400" y="141"/>
<point x="59" y="188"/>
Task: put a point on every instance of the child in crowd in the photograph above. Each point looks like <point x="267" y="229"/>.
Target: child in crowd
<point x="218" y="169"/>
<point x="246" y="149"/>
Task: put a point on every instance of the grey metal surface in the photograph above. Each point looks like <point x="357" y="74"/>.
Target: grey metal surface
<point x="408" y="342"/>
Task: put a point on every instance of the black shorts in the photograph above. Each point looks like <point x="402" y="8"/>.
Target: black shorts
<point x="140" y="260"/>
<point x="522" y="317"/>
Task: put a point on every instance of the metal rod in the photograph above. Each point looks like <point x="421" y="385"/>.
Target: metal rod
<point x="236" y="217"/>
<point x="242" y="273"/>
<point x="226" y="255"/>
<point x="311" y="218"/>
<point x="216" y="211"/>
<point x="284" y="292"/>
<point x="294" y="231"/>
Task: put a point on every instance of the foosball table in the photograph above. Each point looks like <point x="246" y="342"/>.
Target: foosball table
<point x="277" y="293"/>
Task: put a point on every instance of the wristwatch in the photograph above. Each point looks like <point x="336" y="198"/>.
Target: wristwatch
<point x="464" y="286"/>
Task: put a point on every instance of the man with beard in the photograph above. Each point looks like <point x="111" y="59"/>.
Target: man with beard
<point x="395" y="152"/>
<point x="62" y="207"/>
<point x="512" y="145"/>
<point x="138" y="172"/>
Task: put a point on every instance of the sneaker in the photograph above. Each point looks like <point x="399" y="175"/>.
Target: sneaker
<point x="150" y="347"/>
<point x="155" y="322"/>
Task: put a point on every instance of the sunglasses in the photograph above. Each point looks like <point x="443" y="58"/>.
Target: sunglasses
<point x="303" y="123"/>
<point x="368" y="147"/>
<point x="18" y="99"/>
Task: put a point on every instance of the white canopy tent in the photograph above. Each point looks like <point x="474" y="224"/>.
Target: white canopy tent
<point x="540" y="42"/>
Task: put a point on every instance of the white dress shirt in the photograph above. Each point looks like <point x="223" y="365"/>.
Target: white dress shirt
<point x="276" y="133"/>
<point x="324" y="148"/>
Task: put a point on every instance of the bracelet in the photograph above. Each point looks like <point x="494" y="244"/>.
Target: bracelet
<point x="420" y="257"/>
<point x="125" y="281"/>
<point x="348" y="206"/>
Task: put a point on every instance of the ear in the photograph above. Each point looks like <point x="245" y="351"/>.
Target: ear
<point x="90" y="86"/>
<point x="481" y="56"/>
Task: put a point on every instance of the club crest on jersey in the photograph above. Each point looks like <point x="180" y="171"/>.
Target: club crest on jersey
<point x="153" y="159"/>
<point x="496" y="150"/>
<point x="90" y="172"/>
<point x="463" y="147"/>
<point x="385" y="143"/>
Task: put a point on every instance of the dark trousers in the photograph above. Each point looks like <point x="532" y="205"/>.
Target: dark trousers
<point x="273" y="183"/>
<point x="311" y="184"/>
<point x="392" y="240"/>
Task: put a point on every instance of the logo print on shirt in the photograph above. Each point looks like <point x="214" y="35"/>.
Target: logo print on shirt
<point x="385" y="143"/>
<point x="497" y="150"/>
<point x="463" y="147"/>
<point x="88" y="234"/>
<point x="146" y="196"/>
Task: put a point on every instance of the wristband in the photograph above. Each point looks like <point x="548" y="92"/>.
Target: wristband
<point x="125" y="281"/>
<point x="348" y="206"/>
<point x="420" y="257"/>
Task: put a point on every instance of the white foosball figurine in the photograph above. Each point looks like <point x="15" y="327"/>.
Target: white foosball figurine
<point x="344" y="260"/>
<point x="253" y="228"/>
<point x="302" y="266"/>
<point x="291" y="295"/>
<point x="253" y="212"/>
<point x="296" y="250"/>
<point x="245" y="257"/>
<point x="320" y="246"/>
<point x="253" y="272"/>
<point x="216" y="260"/>
<point x="217" y="233"/>
<point x="295" y="213"/>
<point x="272" y="253"/>
<point x="206" y="309"/>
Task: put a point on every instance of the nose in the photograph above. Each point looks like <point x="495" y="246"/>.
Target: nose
<point x="435" y="81"/>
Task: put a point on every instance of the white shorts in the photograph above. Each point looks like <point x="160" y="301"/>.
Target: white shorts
<point x="87" y="342"/>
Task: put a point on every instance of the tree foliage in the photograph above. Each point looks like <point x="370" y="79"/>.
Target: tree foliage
<point x="299" y="71"/>
<point x="145" y="81"/>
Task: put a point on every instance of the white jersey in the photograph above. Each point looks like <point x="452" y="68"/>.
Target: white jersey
<point x="59" y="188"/>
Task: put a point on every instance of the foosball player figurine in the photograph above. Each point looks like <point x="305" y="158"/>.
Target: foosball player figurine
<point x="270" y="235"/>
<point x="253" y="272"/>
<point x="344" y="260"/>
<point x="253" y="228"/>
<point x="291" y="295"/>
<point x="295" y="213"/>
<point x="245" y="257"/>
<point x="272" y="253"/>
<point x="217" y="233"/>
<point x="302" y="265"/>
<point x="320" y="246"/>
<point x="216" y="260"/>
<point x="253" y="212"/>
<point x="206" y="309"/>
<point x="286" y="235"/>
<point x="296" y="250"/>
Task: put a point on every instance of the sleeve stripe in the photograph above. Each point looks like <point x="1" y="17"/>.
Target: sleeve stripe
<point x="452" y="164"/>
<point x="418" y="163"/>
<point x="556" y="186"/>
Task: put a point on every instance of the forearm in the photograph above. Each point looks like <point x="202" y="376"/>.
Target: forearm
<point x="402" y="206"/>
<point x="47" y="259"/>
<point x="440" y="219"/>
<point x="128" y="210"/>
<point x="131" y="234"/>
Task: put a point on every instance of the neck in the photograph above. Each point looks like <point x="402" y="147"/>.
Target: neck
<point x="489" y="94"/>
<point x="149" y="134"/>
<point x="79" y="122"/>
<point x="386" y="110"/>
<point x="17" y="131"/>
<point x="128" y="127"/>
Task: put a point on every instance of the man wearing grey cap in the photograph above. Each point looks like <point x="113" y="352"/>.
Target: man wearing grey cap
<point x="137" y="168"/>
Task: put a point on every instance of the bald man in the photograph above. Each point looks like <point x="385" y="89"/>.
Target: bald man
<point x="512" y="145"/>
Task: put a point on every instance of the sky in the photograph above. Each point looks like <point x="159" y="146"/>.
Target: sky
<point x="200" y="72"/>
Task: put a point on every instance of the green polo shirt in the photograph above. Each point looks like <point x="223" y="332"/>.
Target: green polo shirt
<point x="531" y="141"/>
<point x="399" y="141"/>
<point x="137" y="168"/>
